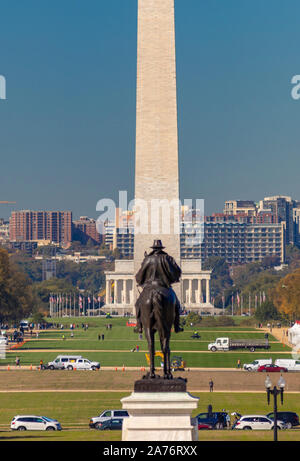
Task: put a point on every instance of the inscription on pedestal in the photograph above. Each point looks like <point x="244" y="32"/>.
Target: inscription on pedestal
<point x="159" y="384"/>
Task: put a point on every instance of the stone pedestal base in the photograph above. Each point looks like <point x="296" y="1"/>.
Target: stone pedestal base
<point x="159" y="417"/>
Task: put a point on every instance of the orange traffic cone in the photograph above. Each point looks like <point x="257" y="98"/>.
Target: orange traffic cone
<point x="8" y="367"/>
<point x="31" y="367"/>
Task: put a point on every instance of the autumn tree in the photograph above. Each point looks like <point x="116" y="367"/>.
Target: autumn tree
<point x="16" y="296"/>
<point x="286" y="295"/>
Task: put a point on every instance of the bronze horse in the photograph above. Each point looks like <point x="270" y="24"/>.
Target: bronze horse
<point x="158" y="307"/>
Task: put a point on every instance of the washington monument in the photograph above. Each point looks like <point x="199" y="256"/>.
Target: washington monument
<point x="156" y="158"/>
<point x="156" y="166"/>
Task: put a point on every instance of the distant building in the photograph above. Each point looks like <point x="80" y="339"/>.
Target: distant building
<point x="296" y="221"/>
<point x="119" y="233"/>
<point x="84" y="229"/>
<point x="77" y="258"/>
<point x="235" y="207"/>
<point x="4" y="231"/>
<point x="34" y="226"/>
<point x="238" y="243"/>
<point x="24" y="247"/>
<point x="282" y="209"/>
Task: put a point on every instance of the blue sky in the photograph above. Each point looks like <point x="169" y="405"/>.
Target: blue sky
<point x="67" y="126"/>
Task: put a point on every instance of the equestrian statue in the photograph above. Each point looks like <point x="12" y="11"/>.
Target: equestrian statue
<point x="157" y="307"/>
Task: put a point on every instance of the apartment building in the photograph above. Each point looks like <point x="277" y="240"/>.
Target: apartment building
<point x="84" y="229"/>
<point x="50" y="226"/>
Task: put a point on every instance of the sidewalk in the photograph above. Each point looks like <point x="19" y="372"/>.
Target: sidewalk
<point x="280" y="334"/>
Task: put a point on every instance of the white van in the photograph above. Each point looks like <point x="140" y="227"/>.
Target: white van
<point x="253" y="366"/>
<point x="71" y="362"/>
<point x="290" y="364"/>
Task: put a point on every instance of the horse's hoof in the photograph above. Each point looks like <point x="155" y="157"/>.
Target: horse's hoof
<point x="168" y="376"/>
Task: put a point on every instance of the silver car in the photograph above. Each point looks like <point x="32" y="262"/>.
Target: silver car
<point x="34" y="423"/>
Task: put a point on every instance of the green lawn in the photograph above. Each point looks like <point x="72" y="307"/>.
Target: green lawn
<point x="138" y="359"/>
<point x="120" y="340"/>
<point x="74" y="410"/>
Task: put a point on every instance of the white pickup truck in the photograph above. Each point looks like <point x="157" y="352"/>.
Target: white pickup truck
<point x="227" y="344"/>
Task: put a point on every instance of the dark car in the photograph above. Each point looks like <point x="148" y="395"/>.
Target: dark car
<point x="270" y="368"/>
<point x="110" y="424"/>
<point x="288" y="417"/>
<point x="216" y="419"/>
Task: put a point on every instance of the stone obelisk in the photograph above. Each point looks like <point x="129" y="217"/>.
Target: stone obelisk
<point x="156" y="166"/>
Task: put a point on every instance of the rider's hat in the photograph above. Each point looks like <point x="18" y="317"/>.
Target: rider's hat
<point x="157" y="245"/>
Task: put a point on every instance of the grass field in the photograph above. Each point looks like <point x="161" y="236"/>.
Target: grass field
<point x="74" y="410"/>
<point x="114" y="350"/>
<point x="74" y="397"/>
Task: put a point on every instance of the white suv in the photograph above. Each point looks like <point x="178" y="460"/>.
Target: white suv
<point x="73" y="362"/>
<point x="107" y="414"/>
<point x="34" y="423"/>
<point x="257" y="422"/>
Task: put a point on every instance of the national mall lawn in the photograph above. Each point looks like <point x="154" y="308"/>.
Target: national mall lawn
<point x="115" y="349"/>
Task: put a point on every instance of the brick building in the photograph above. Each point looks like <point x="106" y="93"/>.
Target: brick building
<point x="50" y="226"/>
<point x="84" y="229"/>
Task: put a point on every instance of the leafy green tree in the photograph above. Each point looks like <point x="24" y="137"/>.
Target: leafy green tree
<point x="267" y="311"/>
<point x="193" y="318"/>
<point x="16" y="296"/>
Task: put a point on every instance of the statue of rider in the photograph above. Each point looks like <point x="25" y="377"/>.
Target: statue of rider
<point x="158" y="272"/>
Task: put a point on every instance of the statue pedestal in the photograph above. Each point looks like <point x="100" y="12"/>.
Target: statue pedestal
<point x="160" y="415"/>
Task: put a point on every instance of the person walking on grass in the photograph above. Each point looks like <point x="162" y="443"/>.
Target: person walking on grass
<point x="17" y="361"/>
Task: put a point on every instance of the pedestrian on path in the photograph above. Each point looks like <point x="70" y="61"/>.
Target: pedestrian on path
<point x="238" y="363"/>
<point x="211" y="385"/>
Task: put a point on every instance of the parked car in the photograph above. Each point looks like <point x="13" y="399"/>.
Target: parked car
<point x="107" y="415"/>
<point x="202" y="426"/>
<point x="216" y="419"/>
<point x="69" y="362"/>
<point x="253" y="366"/>
<point x="288" y="417"/>
<point x="271" y="368"/>
<point x="34" y="423"/>
<point x="257" y="422"/>
<point x="110" y="424"/>
<point x="4" y="340"/>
